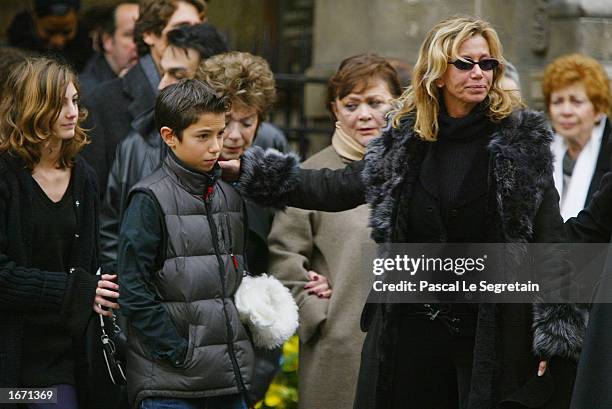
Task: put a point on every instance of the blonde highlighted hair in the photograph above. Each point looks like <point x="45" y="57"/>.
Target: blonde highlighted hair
<point x="422" y="98"/>
<point x="243" y="78"/>
<point x="32" y="103"/>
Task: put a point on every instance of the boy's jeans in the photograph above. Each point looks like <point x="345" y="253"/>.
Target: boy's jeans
<point x="217" y="402"/>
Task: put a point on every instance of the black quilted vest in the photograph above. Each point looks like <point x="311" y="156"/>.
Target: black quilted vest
<point x="204" y="261"/>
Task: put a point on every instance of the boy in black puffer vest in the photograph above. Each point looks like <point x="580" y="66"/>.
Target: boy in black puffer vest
<point x="181" y="259"/>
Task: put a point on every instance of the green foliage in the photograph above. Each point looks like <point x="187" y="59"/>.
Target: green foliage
<point x="283" y="391"/>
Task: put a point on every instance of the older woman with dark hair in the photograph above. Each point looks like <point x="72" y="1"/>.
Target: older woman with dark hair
<point x="577" y="93"/>
<point x="462" y="162"/>
<point x="48" y="234"/>
<point x="311" y="251"/>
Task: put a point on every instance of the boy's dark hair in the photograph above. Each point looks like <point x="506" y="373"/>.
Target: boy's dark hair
<point x="204" y="38"/>
<point x="154" y="16"/>
<point x="180" y="105"/>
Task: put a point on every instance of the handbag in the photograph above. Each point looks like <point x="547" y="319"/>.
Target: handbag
<point x="268" y="309"/>
<point x="113" y="348"/>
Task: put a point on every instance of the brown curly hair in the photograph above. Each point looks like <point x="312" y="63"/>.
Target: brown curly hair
<point x="577" y="68"/>
<point x="243" y="78"/>
<point x="30" y="106"/>
<point x="154" y="16"/>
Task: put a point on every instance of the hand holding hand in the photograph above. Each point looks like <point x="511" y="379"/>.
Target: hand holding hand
<point x="318" y="285"/>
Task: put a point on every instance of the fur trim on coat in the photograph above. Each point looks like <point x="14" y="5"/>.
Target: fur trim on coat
<point x="267" y="177"/>
<point x="521" y="172"/>
<point x="558" y="330"/>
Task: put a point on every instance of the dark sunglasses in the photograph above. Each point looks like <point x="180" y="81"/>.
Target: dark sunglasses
<point x="487" y="64"/>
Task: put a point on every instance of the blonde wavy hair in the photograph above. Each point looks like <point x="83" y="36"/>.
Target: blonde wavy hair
<point x="441" y="45"/>
<point x="32" y="102"/>
<point x="243" y="78"/>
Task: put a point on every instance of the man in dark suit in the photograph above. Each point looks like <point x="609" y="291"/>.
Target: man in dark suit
<point x="116" y="44"/>
<point x="114" y="104"/>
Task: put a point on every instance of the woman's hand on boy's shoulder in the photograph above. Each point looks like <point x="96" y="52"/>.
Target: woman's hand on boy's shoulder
<point x="230" y="169"/>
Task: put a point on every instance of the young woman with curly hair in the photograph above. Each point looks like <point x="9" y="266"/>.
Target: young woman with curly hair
<point x="48" y="234"/>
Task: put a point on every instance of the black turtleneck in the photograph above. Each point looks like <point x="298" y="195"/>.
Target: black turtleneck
<point x="461" y="157"/>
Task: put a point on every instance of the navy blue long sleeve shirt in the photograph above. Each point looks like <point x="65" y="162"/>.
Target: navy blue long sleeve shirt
<point x="141" y="250"/>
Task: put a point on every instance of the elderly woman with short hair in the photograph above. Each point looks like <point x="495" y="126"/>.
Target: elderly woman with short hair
<point x="577" y="93"/>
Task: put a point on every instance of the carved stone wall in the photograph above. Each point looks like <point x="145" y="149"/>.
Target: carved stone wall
<point x="533" y="32"/>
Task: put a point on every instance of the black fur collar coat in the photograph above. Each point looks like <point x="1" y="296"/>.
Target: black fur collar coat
<point x="525" y="209"/>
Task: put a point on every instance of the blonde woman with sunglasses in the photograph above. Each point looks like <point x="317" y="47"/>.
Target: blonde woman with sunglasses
<point x="462" y="162"/>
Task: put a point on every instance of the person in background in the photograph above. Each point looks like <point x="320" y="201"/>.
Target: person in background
<point x="511" y="80"/>
<point x="248" y="83"/>
<point x="317" y="254"/>
<point x="116" y="44"/>
<point x="403" y="69"/>
<point x="142" y="151"/>
<point x="52" y="28"/>
<point x="48" y="235"/>
<point x="115" y="104"/>
<point x="576" y="90"/>
<point x="594" y="225"/>
<point x="9" y="58"/>
<point x="270" y="136"/>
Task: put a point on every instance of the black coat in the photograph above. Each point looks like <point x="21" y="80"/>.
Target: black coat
<point x="504" y="366"/>
<point x="137" y="156"/>
<point x="594" y="225"/>
<point x="604" y="160"/>
<point x="112" y="107"/>
<point x="95" y="72"/>
<point x="523" y="209"/>
<point x="24" y="289"/>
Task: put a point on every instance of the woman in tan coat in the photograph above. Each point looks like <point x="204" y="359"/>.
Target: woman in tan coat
<point x="317" y="254"/>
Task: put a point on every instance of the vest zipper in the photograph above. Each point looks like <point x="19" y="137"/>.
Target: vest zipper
<point x="228" y="326"/>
